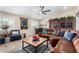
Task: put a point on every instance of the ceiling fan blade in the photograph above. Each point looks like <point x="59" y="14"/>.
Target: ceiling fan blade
<point x="46" y="10"/>
<point x="37" y="11"/>
<point x="42" y="7"/>
<point x="43" y="13"/>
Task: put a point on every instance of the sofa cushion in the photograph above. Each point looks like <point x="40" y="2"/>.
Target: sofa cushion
<point x="74" y="34"/>
<point x="15" y="37"/>
<point x="67" y="46"/>
<point x="44" y="32"/>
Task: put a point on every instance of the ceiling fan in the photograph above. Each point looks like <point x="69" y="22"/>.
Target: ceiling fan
<point x="42" y="10"/>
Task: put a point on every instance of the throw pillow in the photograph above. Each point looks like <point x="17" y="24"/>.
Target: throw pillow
<point x="69" y="36"/>
<point x="44" y="32"/>
<point x="61" y="33"/>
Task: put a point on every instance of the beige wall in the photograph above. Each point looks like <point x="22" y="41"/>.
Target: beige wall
<point x="29" y="31"/>
<point x="65" y="13"/>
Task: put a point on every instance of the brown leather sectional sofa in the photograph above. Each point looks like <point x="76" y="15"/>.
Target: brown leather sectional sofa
<point x="65" y="46"/>
<point x="75" y="42"/>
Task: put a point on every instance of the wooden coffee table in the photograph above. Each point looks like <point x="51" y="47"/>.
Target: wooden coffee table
<point x="34" y="44"/>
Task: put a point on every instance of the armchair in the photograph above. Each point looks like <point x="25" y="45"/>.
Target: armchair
<point x="2" y="40"/>
<point x="15" y="35"/>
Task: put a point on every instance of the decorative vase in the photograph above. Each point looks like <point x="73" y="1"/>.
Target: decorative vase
<point x="35" y="38"/>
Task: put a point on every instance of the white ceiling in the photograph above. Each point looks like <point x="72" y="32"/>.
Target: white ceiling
<point x="34" y="11"/>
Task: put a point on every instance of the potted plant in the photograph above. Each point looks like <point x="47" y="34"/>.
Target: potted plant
<point x="62" y="18"/>
<point x="56" y="19"/>
<point x="70" y="17"/>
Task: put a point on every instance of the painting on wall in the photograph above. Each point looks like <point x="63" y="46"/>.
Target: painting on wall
<point x="24" y="23"/>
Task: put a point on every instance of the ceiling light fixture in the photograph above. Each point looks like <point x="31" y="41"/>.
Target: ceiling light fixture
<point x="65" y="8"/>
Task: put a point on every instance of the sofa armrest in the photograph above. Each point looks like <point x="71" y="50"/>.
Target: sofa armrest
<point x="58" y="44"/>
<point x="57" y="50"/>
<point x="76" y="43"/>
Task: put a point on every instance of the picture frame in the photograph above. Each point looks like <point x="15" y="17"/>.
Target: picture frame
<point x="24" y="23"/>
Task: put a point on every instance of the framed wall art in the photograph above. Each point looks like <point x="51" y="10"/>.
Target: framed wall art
<point x="24" y="23"/>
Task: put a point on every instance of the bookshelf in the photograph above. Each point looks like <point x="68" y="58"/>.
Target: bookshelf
<point x="63" y="23"/>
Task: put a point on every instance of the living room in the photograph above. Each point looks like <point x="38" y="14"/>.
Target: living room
<point x="28" y="22"/>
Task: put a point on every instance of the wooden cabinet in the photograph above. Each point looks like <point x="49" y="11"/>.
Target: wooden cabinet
<point x="66" y="24"/>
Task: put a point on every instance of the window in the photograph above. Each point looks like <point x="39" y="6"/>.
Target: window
<point x="9" y="21"/>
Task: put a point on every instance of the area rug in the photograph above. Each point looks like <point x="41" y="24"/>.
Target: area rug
<point x="31" y="49"/>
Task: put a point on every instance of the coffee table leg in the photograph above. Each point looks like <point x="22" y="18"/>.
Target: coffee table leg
<point x="24" y="47"/>
<point x="45" y="47"/>
<point x="35" y="49"/>
<point x="22" y="44"/>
